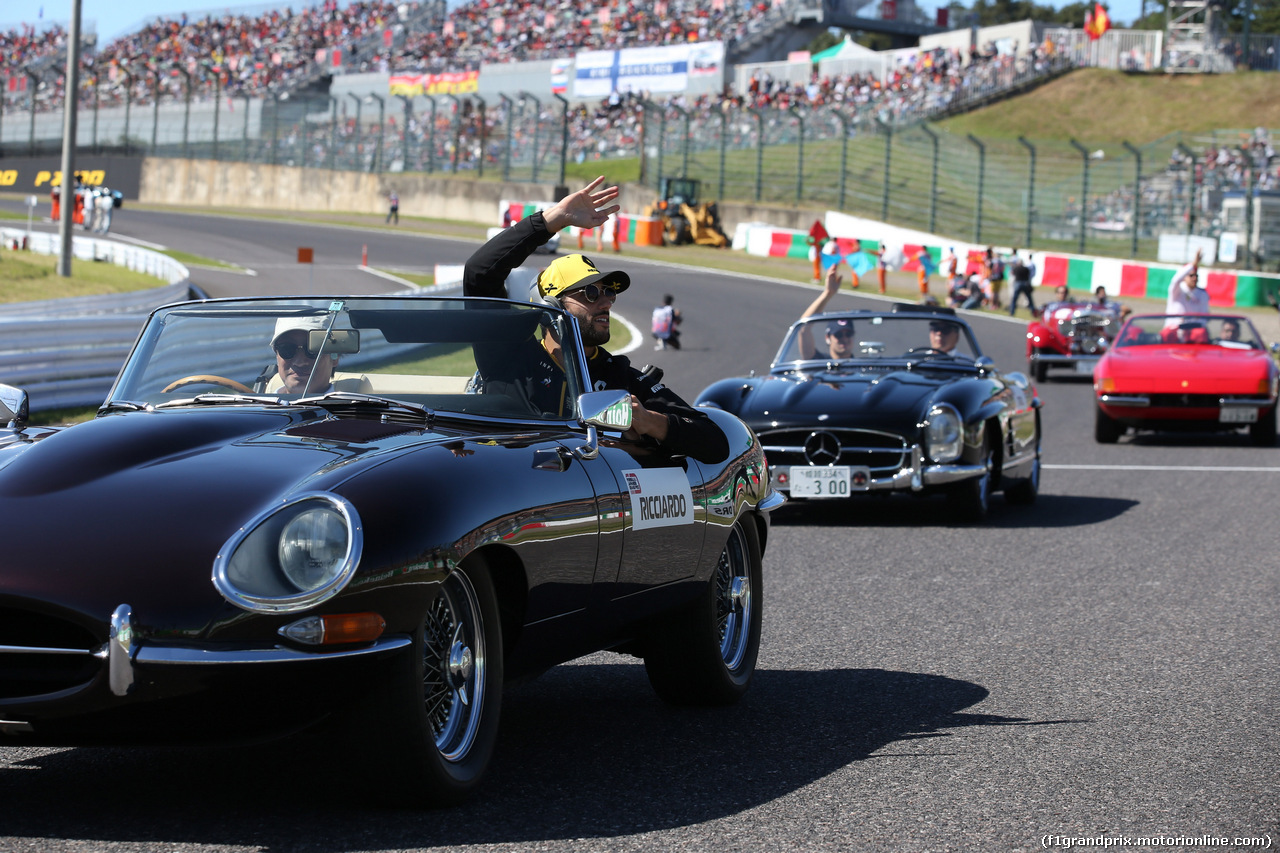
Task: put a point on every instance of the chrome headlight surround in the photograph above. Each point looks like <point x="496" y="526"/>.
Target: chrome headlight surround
<point x="943" y="433"/>
<point x="250" y="569"/>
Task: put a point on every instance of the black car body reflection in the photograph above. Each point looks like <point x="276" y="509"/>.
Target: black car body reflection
<point x="214" y="557"/>
<point x="865" y="401"/>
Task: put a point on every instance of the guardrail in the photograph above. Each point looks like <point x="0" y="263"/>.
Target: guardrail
<point x="66" y="352"/>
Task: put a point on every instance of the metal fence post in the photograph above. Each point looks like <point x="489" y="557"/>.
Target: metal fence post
<point x="982" y="175"/>
<point x="1031" y="190"/>
<point x="508" y="105"/>
<point x="155" y="109"/>
<point x="217" y="109"/>
<point x="1084" y="191"/>
<point x="456" y="124"/>
<point x="1191" y="188"/>
<point x="684" y="141"/>
<point x="406" y="150"/>
<point x="484" y="139"/>
<point x="359" y="135"/>
<point x="96" y="100"/>
<point x="275" y="126"/>
<point x="724" y="145"/>
<point x="888" y="151"/>
<point x="759" y="151"/>
<point x="564" y="133"/>
<point x="1248" y="206"/>
<point x="186" y="115"/>
<point x="31" y="104"/>
<point x="795" y="111"/>
<point x="537" y="129"/>
<point x="244" y="145"/>
<point x="844" y="155"/>
<point x="431" y="137"/>
<point x="128" y="102"/>
<point x="1137" y="195"/>
<point x="933" y="180"/>
<point x="333" y="132"/>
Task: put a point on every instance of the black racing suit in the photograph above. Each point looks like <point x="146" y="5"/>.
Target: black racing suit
<point x="528" y="371"/>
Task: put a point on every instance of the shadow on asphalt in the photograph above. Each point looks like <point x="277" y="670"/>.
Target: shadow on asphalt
<point x="585" y="751"/>
<point x="886" y="510"/>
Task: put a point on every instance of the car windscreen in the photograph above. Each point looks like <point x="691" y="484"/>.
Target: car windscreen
<point x="474" y="356"/>
<point x="1228" y="332"/>
<point x="877" y="338"/>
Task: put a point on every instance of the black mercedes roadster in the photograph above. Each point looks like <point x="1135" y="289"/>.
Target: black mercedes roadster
<point x="901" y="400"/>
<point x="317" y="511"/>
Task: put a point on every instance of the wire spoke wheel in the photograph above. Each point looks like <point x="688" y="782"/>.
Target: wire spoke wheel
<point x="454" y="668"/>
<point x="734" y="601"/>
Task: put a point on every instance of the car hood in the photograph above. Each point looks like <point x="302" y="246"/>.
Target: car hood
<point x="140" y="503"/>
<point x="1187" y="369"/>
<point x="874" y="397"/>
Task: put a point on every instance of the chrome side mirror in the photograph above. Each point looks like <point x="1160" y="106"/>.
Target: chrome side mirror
<point x="606" y="410"/>
<point x="15" y="407"/>
<point x="1018" y="380"/>
<point x="985" y="364"/>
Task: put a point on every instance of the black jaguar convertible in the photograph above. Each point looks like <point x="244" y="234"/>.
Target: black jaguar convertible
<point x="299" y="512"/>
<point x="901" y="400"/>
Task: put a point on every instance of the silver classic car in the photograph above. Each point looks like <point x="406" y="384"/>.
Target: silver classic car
<point x="295" y="511"/>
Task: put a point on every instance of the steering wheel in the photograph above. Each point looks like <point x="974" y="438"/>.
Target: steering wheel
<point x="206" y="379"/>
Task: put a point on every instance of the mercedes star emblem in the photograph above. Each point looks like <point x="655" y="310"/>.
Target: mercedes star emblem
<point x="821" y="448"/>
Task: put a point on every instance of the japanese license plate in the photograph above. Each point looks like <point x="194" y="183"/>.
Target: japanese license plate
<point x="835" y="481"/>
<point x="1084" y="367"/>
<point x="1238" y="415"/>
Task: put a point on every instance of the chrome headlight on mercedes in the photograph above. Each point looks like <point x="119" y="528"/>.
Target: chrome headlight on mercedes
<point x="943" y="434"/>
<point x="292" y="556"/>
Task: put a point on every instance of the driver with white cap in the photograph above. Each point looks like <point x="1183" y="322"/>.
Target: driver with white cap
<point x="298" y="369"/>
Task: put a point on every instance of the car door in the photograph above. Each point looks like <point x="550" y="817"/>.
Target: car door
<point x="654" y="504"/>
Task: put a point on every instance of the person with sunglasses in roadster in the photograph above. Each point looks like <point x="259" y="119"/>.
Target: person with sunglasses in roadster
<point x="575" y="284"/>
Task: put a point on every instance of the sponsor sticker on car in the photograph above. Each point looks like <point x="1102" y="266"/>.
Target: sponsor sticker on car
<point x="660" y="497"/>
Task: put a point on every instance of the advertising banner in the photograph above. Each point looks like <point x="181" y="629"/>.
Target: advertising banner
<point x="449" y="83"/>
<point x="653" y="69"/>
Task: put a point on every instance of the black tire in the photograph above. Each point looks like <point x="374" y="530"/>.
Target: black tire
<point x="1106" y="430"/>
<point x="706" y="655"/>
<point x="1039" y="370"/>
<point x="970" y="500"/>
<point x="430" y="733"/>
<point x="1263" y="433"/>
<point x="1024" y="492"/>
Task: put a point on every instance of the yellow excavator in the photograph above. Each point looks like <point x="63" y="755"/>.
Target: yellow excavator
<point x="684" y="219"/>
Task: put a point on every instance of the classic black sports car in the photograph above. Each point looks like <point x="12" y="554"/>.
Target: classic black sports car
<point x="381" y="539"/>
<point x="901" y="400"/>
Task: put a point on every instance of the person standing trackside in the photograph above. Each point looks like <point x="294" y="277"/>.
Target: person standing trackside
<point x="1021" y="274"/>
<point x="393" y="212"/>
<point x="666" y="317"/>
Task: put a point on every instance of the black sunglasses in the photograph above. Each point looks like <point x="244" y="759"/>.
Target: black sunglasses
<point x="286" y="350"/>
<point x="592" y="292"/>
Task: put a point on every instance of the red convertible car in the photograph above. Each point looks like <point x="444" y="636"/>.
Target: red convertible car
<point x="1070" y="334"/>
<point x="1188" y="372"/>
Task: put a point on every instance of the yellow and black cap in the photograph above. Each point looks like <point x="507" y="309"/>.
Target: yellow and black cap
<point x="574" y="272"/>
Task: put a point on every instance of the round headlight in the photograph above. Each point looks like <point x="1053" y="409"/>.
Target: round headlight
<point x="292" y="556"/>
<point x="943" y="436"/>
<point x="313" y="547"/>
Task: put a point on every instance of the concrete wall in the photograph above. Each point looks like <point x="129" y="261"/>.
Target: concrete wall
<point x="208" y="183"/>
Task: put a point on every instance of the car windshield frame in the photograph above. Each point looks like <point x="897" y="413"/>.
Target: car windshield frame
<point x="412" y="352"/>
<point x="1145" y="330"/>
<point x="894" y="354"/>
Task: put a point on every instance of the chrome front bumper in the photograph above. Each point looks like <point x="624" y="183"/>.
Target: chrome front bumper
<point x="914" y="477"/>
<point x="124" y="651"/>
